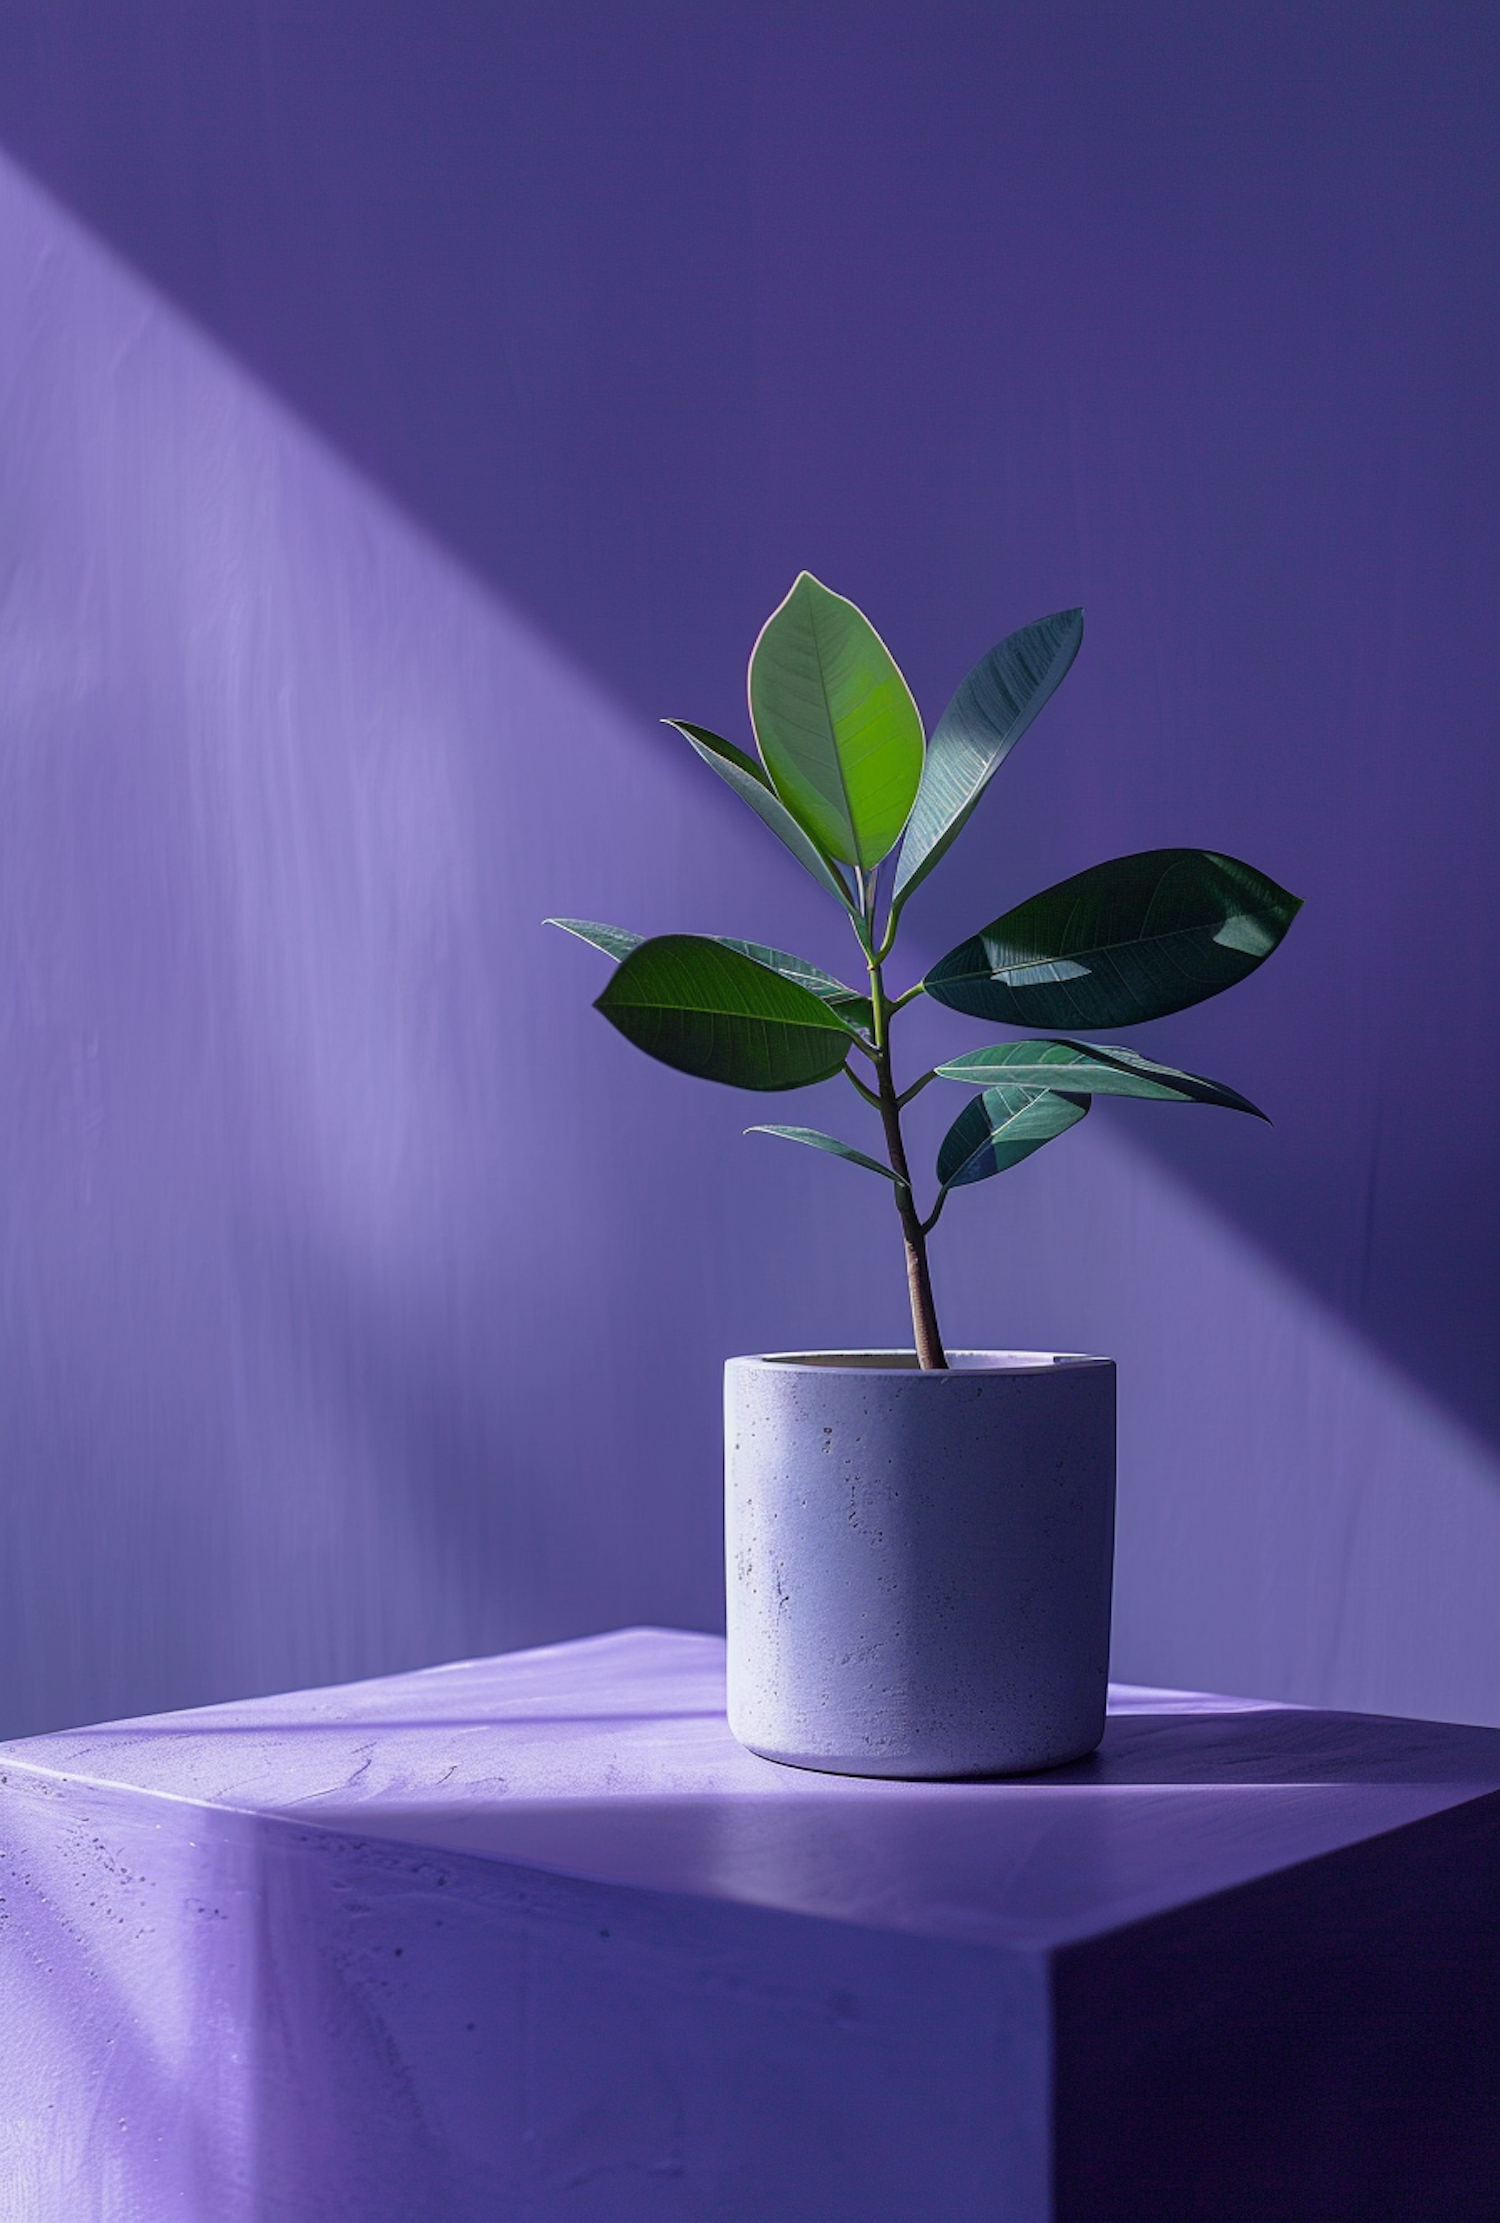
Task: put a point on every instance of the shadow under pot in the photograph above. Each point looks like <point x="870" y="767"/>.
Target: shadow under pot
<point x="919" y="1564"/>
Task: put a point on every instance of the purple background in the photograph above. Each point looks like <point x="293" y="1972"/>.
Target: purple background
<point x="403" y="409"/>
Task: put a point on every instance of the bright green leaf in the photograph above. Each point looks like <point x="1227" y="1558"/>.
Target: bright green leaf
<point x="1089" y="1069"/>
<point x="710" y="1011"/>
<point x="817" y="1141"/>
<point x="836" y="723"/>
<point x="1130" y="940"/>
<point x="977" y="731"/>
<point x="1000" y="1128"/>
<point x="741" y="773"/>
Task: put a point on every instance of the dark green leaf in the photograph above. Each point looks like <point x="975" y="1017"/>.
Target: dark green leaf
<point x="749" y="782"/>
<point x="710" y="1011"/>
<point x="618" y="942"/>
<point x="817" y="1141"/>
<point x="782" y="961"/>
<point x="1133" y="939"/>
<point x="704" y="738"/>
<point x="1000" y="1128"/>
<point x="615" y="941"/>
<point x="977" y="731"/>
<point x="856" y="1009"/>
<point x="1089" y="1069"/>
<point x="837" y="727"/>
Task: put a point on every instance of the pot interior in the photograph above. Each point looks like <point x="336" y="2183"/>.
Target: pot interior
<point x="959" y="1362"/>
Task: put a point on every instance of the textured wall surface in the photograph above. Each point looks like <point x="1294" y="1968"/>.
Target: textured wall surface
<point x="398" y="411"/>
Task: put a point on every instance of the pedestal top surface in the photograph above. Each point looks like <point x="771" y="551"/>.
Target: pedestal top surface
<point x="610" y="1759"/>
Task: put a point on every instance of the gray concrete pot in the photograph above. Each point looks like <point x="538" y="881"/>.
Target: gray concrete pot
<point x="919" y="1564"/>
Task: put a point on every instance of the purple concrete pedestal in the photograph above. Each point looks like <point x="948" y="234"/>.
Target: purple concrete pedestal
<point x="533" y="1938"/>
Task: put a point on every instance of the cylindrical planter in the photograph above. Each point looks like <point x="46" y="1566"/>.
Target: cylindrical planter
<point x="919" y="1564"/>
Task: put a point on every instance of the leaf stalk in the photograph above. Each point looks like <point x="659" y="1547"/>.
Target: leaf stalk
<point x="916" y="1088"/>
<point x="869" y="1094"/>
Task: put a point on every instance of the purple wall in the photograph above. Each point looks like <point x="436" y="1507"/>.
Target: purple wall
<point x="401" y="410"/>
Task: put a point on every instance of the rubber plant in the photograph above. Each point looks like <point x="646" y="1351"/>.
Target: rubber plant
<point x="846" y="780"/>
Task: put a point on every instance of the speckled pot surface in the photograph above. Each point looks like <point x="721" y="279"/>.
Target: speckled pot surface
<point x="919" y="1565"/>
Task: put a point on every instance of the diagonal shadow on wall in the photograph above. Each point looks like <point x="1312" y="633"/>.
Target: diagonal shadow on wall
<point x="977" y="312"/>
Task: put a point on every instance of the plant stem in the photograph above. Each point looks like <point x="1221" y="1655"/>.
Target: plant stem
<point x="929" y="1342"/>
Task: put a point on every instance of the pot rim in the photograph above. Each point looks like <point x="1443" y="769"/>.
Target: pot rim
<point x="887" y="1363"/>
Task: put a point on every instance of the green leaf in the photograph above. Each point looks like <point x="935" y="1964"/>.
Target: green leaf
<point x="977" y="731"/>
<point x="1130" y="940"/>
<point x="837" y="727"/>
<point x="615" y="941"/>
<point x="1000" y="1128"/>
<point x="710" y="1011"/>
<point x="618" y="942"/>
<point x="749" y="782"/>
<point x="817" y="1141"/>
<point x="704" y="738"/>
<point x="1089" y="1069"/>
<point x="856" y="1009"/>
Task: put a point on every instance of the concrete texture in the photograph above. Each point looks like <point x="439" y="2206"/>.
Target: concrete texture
<point x="918" y="1565"/>
<point x="534" y="1936"/>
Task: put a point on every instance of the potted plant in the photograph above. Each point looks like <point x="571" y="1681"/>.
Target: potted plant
<point x="919" y="1543"/>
